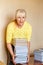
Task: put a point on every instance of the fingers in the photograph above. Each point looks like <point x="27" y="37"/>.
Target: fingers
<point x="13" y="57"/>
<point x="28" y="59"/>
<point x="14" y="62"/>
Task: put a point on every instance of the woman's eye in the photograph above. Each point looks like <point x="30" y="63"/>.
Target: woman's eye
<point x="23" y="17"/>
<point x="18" y="17"/>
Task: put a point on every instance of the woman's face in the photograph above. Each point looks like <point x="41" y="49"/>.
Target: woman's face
<point x="20" y="17"/>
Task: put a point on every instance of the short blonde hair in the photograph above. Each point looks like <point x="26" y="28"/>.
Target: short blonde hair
<point x="21" y="11"/>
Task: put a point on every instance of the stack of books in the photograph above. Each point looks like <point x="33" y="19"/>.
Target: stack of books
<point x="38" y="55"/>
<point x="21" y="54"/>
<point x="21" y="51"/>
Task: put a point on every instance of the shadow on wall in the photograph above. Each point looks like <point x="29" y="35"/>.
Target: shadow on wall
<point x="8" y="20"/>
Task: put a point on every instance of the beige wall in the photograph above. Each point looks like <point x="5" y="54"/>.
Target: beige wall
<point x="34" y="10"/>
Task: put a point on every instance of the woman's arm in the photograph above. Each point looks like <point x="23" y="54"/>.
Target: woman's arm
<point x="28" y="44"/>
<point x="9" y="47"/>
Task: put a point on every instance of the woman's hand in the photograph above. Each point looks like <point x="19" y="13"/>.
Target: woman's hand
<point x="13" y="57"/>
<point x="27" y="59"/>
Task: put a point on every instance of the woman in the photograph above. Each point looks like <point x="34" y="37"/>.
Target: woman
<point x="19" y="28"/>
